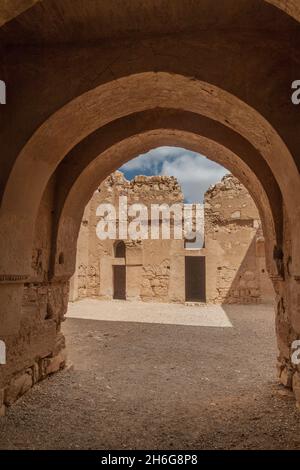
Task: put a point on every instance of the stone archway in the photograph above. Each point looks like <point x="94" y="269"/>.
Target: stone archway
<point x="190" y="75"/>
<point x="82" y="188"/>
<point x="88" y="180"/>
<point x="209" y="100"/>
<point x="162" y="89"/>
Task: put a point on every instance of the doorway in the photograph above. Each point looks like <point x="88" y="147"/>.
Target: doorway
<point x="119" y="274"/>
<point x="195" y="279"/>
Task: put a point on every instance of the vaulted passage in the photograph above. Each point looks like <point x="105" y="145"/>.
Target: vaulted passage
<point x="91" y="85"/>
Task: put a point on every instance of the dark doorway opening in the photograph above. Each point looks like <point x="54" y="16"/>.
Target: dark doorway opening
<point x="120" y="249"/>
<point x="119" y="282"/>
<point x="195" y="279"/>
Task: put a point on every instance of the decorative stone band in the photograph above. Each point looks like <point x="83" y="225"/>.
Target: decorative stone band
<point x="8" y="278"/>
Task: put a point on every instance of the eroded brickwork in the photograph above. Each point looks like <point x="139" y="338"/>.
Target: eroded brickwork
<point x="39" y="348"/>
<point x="155" y="271"/>
<point x="234" y="247"/>
<point x="236" y="268"/>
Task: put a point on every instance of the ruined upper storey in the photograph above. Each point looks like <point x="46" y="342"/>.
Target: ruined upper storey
<point x="144" y="189"/>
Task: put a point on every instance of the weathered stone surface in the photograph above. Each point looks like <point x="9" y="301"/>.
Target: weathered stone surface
<point x="296" y="386"/>
<point x="54" y="364"/>
<point x="12" y="8"/>
<point x="286" y="377"/>
<point x="192" y="90"/>
<point x="35" y="373"/>
<point x="235" y="267"/>
<point x="2" y="394"/>
<point x="148" y="268"/>
<point x="18" y="387"/>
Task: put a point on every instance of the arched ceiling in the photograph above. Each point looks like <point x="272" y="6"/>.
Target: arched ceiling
<point x="82" y="22"/>
<point x="74" y="122"/>
<point x="291" y="7"/>
<point x="79" y="21"/>
<point x="10" y="9"/>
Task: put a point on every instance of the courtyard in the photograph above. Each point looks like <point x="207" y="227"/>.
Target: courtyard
<point x="205" y="379"/>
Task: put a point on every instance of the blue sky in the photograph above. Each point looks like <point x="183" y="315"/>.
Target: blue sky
<point x="194" y="172"/>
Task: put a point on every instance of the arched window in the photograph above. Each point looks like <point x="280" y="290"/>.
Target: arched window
<point x="120" y="249"/>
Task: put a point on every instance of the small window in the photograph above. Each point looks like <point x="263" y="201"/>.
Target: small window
<point x="120" y="249"/>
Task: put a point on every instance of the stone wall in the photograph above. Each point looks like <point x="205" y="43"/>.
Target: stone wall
<point x="39" y="348"/>
<point x="234" y="250"/>
<point x="234" y="243"/>
<point x="194" y="92"/>
<point x="156" y="280"/>
<point x="155" y="269"/>
<point x="148" y="269"/>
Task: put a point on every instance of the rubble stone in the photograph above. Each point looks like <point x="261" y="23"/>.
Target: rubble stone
<point x="155" y="269"/>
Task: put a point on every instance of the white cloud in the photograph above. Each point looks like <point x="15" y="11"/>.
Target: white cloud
<point x="194" y="172"/>
<point x="152" y="160"/>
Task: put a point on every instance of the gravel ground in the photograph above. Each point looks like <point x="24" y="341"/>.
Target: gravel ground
<point x="151" y="386"/>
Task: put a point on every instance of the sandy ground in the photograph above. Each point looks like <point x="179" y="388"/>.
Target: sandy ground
<point x="143" y="312"/>
<point x="139" y="385"/>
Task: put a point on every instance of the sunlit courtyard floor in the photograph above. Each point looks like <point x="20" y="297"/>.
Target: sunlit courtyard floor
<point x="144" y="312"/>
<point x="160" y="376"/>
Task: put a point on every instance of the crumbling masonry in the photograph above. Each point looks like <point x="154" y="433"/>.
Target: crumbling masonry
<point x="155" y="269"/>
<point x="90" y="86"/>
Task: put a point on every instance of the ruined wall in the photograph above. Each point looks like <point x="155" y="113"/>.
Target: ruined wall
<point x="38" y="348"/>
<point x="202" y="74"/>
<point x="155" y="269"/>
<point x="235" y="257"/>
<point x="149" y="268"/>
